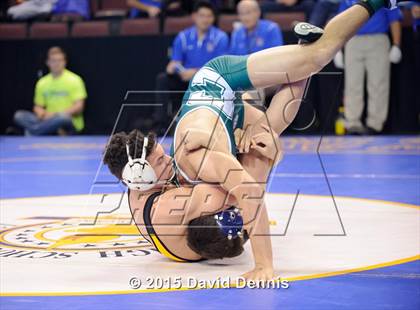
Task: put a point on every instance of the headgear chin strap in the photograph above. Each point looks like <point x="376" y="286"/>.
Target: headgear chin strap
<point x="138" y="174"/>
<point x="230" y="222"/>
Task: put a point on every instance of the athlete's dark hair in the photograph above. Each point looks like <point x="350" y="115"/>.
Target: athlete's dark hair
<point x="56" y="50"/>
<point x="204" y="4"/>
<point x="206" y="239"/>
<point x="115" y="152"/>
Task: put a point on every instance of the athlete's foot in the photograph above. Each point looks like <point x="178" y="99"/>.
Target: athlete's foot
<point x="307" y="33"/>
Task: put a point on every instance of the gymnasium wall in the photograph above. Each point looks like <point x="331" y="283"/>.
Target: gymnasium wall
<point x="110" y="66"/>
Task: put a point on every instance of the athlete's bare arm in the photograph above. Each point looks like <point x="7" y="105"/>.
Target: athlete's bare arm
<point x="280" y="114"/>
<point x="249" y="194"/>
<point x="266" y="143"/>
<point x="178" y="206"/>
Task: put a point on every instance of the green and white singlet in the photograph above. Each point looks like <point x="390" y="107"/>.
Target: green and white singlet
<point x="217" y="87"/>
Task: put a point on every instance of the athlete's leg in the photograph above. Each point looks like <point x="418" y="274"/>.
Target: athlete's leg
<point x="282" y="111"/>
<point x="255" y="164"/>
<point x="284" y="106"/>
<point x="291" y="63"/>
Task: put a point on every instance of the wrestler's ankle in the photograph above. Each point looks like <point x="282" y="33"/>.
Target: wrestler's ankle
<point x="372" y="5"/>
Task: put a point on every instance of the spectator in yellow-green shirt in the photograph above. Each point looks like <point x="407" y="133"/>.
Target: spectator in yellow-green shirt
<point x="59" y="100"/>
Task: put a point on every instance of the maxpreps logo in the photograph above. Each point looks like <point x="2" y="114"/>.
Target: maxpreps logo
<point x="60" y="238"/>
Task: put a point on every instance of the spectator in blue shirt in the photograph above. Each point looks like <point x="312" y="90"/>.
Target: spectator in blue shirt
<point x="254" y="34"/>
<point x="80" y="7"/>
<point x="153" y="8"/>
<point x="305" y="6"/>
<point x="369" y="52"/>
<point x="28" y="9"/>
<point x="192" y="48"/>
<point x="34" y="8"/>
<point x="323" y="11"/>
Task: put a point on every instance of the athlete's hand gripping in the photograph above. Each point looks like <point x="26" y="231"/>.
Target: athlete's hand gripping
<point x="243" y="139"/>
<point x="194" y="139"/>
<point x="268" y="144"/>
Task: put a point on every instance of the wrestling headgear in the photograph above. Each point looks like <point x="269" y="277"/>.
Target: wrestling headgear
<point x="230" y="222"/>
<point x="138" y="174"/>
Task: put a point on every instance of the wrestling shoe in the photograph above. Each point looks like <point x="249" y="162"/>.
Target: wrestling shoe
<point x="307" y="33"/>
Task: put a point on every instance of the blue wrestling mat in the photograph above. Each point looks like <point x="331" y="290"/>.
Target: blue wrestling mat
<point x="344" y="213"/>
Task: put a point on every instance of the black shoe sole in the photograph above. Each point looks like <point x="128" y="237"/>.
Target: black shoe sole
<point x="307" y="33"/>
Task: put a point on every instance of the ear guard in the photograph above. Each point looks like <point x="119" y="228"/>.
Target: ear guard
<point x="138" y="174"/>
<point x="230" y="222"/>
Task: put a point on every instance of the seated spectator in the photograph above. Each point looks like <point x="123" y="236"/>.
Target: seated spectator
<point x="153" y="8"/>
<point x="35" y="8"/>
<point x="288" y="6"/>
<point x="254" y="34"/>
<point x="31" y="9"/>
<point x="192" y="48"/>
<point x="59" y="100"/>
<point x="79" y="7"/>
<point x="323" y="11"/>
